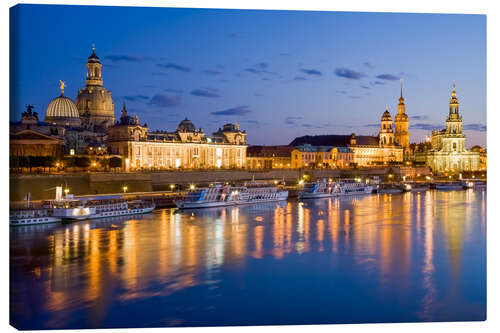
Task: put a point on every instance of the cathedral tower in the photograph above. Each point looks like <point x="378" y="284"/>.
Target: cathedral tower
<point x="386" y="135"/>
<point x="454" y="120"/>
<point x="401" y="122"/>
<point x="94" y="102"/>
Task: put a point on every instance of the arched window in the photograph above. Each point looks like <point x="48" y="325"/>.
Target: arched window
<point x="454" y="146"/>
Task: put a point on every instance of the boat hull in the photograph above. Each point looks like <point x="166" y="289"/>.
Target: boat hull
<point x="33" y="221"/>
<point x="124" y="212"/>
<point x="214" y="204"/>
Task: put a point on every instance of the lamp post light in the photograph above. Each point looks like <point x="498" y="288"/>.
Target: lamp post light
<point x="125" y="188"/>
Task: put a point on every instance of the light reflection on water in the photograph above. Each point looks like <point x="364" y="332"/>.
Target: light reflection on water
<point x="377" y="258"/>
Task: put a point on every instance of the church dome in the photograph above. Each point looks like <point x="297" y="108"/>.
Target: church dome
<point x="386" y="116"/>
<point x="62" y="111"/>
<point x="186" y="126"/>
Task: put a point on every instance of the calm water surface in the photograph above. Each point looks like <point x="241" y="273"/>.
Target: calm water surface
<point x="377" y="258"/>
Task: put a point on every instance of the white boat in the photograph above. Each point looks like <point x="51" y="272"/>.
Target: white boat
<point x="351" y="187"/>
<point x="449" y="186"/>
<point x="69" y="209"/>
<point x="118" y="207"/>
<point x="31" y="216"/>
<point x="319" y="189"/>
<point x="220" y="196"/>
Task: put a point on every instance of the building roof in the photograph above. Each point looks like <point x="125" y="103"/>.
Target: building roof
<point x="62" y="107"/>
<point x="269" y="151"/>
<point x="186" y="126"/>
<point x="335" y="140"/>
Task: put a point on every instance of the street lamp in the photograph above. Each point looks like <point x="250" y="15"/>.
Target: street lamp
<point x="125" y="188"/>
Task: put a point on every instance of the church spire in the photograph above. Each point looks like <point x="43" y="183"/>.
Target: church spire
<point x="401" y="99"/>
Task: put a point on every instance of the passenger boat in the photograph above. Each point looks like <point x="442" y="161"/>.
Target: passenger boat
<point x="220" y="196"/>
<point x="69" y="208"/>
<point x="449" y="186"/>
<point x="319" y="189"/>
<point x="31" y="216"/>
<point x="473" y="183"/>
<point x="118" y="207"/>
<point x="389" y="189"/>
<point x="415" y="187"/>
<point x="351" y="187"/>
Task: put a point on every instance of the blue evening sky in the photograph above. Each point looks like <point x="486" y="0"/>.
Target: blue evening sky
<point x="279" y="74"/>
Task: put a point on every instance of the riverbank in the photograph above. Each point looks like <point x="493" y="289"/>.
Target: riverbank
<point x="42" y="187"/>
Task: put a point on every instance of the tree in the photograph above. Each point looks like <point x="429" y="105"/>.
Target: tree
<point x="115" y="162"/>
<point x="82" y="162"/>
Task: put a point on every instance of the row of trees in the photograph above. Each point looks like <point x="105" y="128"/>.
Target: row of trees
<point x="47" y="163"/>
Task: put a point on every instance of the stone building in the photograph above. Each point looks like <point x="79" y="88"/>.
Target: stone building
<point x="448" y="152"/>
<point x="187" y="147"/>
<point x="269" y="157"/>
<point x="401" y="124"/>
<point x="94" y="102"/>
<point x="367" y="150"/>
<point x="482" y="156"/>
<point x="30" y="137"/>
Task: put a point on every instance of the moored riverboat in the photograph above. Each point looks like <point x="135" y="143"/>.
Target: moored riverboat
<point x="449" y="186"/>
<point x="319" y="189"/>
<point x="351" y="187"/>
<point x="390" y="189"/>
<point x="220" y="196"/>
<point x="31" y="216"/>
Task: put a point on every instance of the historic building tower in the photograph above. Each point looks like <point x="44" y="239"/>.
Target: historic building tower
<point x="401" y="122"/>
<point x="94" y="102"/>
<point x="448" y="152"/>
<point x="386" y="135"/>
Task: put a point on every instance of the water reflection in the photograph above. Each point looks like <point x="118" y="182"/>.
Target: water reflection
<point x="405" y="257"/>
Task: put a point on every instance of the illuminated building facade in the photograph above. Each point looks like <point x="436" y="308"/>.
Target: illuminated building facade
<point x="269" y="157"/>
<point x="448" y="152"/>
<point x="308" y="156"/>
<point x="186" y="148"/>
<point x="366" y="150"/>
<point x="401" y="124"/>
<point x="94" y="102"/>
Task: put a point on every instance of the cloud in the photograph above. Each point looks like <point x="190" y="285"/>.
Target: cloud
<point x="377" y="83"/>
<point x="236" y="111"/>
<point x="368" y="65"/>
<point x="341" y="92"/>
<point x="126" y="58"/>
<point x="164" y="100"/>
<point x="355" y="97"/>
<point x="207" y="92"/>
<point x="211" y="72"/>
<point x="389" y="77"/>
<point x="262" y="65"/>
<point x="475" y="127"/>
<point x="234" y="35"/>
<point x="372" y="125"/>
<point x="254" y="123"/>
<point x="175" y="91"/>
<point x="285" y="54"/>
<point x="136" y="98"/>
<point x="349" y="73"/>
<point x="417" y="117"/>
<point x="311" y="71"/>
<point x="426" y="127"/>
<point x="253" y="70"/>
<point x="299" y="78"/>
<point x="175" y="66"/>
<point x="292" y="120"/>
<point x="364" y="87"/>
